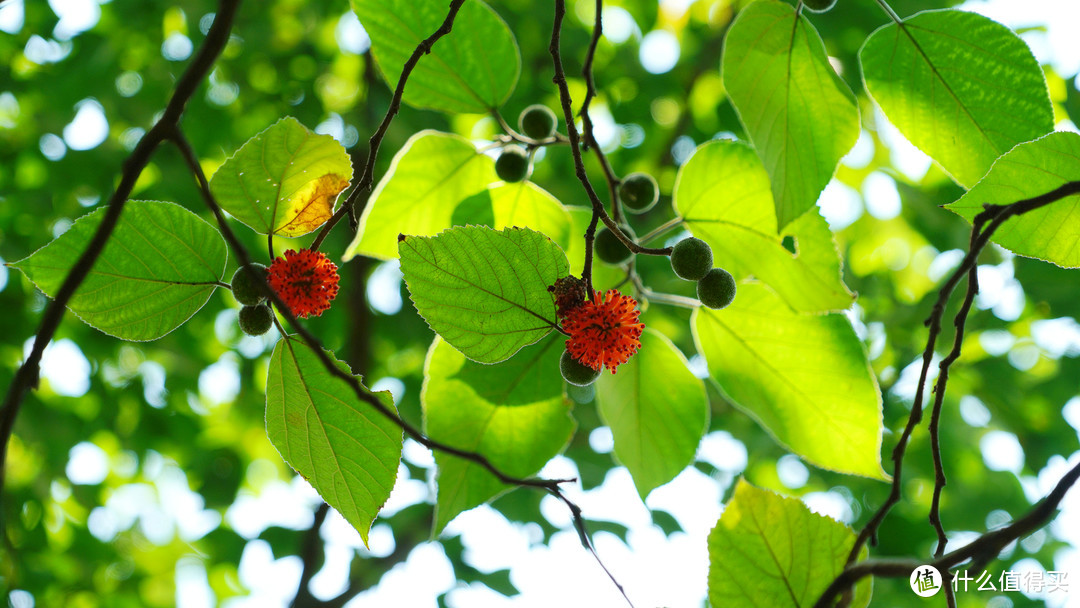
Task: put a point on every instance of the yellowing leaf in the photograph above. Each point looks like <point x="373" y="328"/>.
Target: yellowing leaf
<point x="284" y="180"/>
<point x="312" y="205"/>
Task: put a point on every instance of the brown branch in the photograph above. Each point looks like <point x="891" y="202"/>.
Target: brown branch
<point x="983" y="227"/>
<point x="28" y="374"/>
<point x="366" y="178"/>
<point x="939" y="397"/>
<point x="599" y="214"/>
<point x="981" y="550"/>
<point x="586" y="119"/>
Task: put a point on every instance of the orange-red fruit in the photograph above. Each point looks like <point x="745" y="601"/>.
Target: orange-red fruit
<point x="307" y="281"/>
<point x="605" y="331"/>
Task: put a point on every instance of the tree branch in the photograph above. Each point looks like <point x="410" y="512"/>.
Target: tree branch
<point x="983" y="227"/>
<point x="366" y="178"/>
<point x="28" y="374"/>
<point x="983" y="549"/>
<point x="579" y="166"/>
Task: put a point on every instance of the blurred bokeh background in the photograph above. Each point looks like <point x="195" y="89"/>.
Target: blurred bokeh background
<point x="140" y="473"/>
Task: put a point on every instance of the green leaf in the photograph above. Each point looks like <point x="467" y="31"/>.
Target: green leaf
<point x="341" y="445"/>
<point x="801" y="117"/>
<point x="805" y="378"/>
<point x="471" y="69"/>
<point x="723" y="193"/>
<point x="284" y="180"/>
<point x="513" y="413"/>
<point x="158" y="268"/>
<point x="1028" y="170"/>
<point x="657" y="410"/>
<point x="527" y="205"/>
<point x="770" y="550"/>
<point x="484" y="291"/>
<point x="428" y="179"/>
<point x="963" y="88"/>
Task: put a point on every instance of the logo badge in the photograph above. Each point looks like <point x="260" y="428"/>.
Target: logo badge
<point x="925" y="581"/>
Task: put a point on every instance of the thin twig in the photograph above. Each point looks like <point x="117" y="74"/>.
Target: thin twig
<point x="27" y="376"/>
<point x="997" y="214"/>
<point x="583" y="535"/>
<point x="939" y="397"/>
<point x="985" y="548"/>
<point x="587" y="130"/>
<point x="366" y="178"/>
<point x="983" y="227"/>
<point x="579" y="166"/>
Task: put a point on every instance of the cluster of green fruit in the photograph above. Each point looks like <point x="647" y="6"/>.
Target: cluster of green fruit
<point x="536" y="122"/>
<point x="692" y="260"/>
<point x="247" y="287"/>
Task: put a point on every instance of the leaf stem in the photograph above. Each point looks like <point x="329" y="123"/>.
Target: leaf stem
<point x="890" y="12"/>
<point x="663" y="298"/>
<point x="661" y="229"/>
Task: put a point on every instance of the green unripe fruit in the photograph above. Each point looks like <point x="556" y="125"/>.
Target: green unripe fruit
<point x="638" y="192"/>
<point x="819" y="6"/>
<point x="609" y="248"/>
<point x="581" y="394"/>
<point x="256" y="320"/>
<point x="247" y="284"/>
<point x="691" y="259"/>
<point x="716" y="289"/>
<point x="512" y="165"/>
<point x="575" y="373"/>
<point x="537" y="121"/>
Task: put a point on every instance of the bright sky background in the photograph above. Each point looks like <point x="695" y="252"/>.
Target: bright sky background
<point x="657" y="570"/>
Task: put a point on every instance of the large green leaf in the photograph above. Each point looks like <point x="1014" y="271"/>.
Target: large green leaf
<point x="723" y="193"/>
<point x="346" y="449"/>
<point x="963" y="88"/>
<point x="801" y="117"/>
<point x="430" y="177"/>
<point x="484" y="291"/>
<point x="769" y="550"/>
<point x="158" y="268"/>
<point x="657" y="411"/>
<point x="513" y="413"/>
<point x="805" y="378"/>
<point x="527" y="205"/>
<point x="1028" y="170"/>
<point x="284" y="180"/>
<point x="471" y="69"/>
